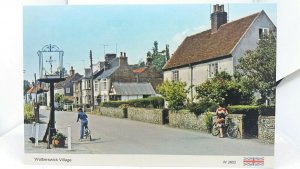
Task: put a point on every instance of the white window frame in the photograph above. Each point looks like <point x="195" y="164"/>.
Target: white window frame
<point x="96" y="85"/>
<point x="88" y="84"/>
<point x="175" y="75"/>
<point x="68" y="90"/>
<point x="264" y="32"/>
<point x="213" y="69"/>
<point x="104" y="85"/>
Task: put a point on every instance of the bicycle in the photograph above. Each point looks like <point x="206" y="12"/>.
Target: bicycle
<point x="230" y="129"/>
<point x="87" y="133"/>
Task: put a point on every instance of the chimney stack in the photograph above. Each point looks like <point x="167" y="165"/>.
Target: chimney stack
<point x="123" y="60"/>
<point x="218" y="17"/>
<point x="72" y="71"/>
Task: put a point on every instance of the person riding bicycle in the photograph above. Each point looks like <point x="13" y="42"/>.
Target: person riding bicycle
<point x="84" y="122"/>
<point x="221" y="113"/>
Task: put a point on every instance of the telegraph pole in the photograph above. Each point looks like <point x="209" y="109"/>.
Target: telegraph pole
<point x="92" y="82"/>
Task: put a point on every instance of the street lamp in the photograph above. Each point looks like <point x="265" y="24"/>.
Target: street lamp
<point x="51" y="71"/>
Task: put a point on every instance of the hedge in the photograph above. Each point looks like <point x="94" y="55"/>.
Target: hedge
<point x="245" y="109"/>
<point x="150" y="102"/>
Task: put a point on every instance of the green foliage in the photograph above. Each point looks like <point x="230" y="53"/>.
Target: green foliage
<point x="267" y="110"/>
<point x="256" y="70"/>
<point x="150" y="102"/>
<point x="26" y="86"/>
<point x="201" y="107"/>
<point x="242" y="109"/>
<point x="28" y="113"/>
<point x="208" y="121"/>
<point x="223" y="89"/>
<point x="174" y="93"/>
<point x="58" y="97"/>
<point x="247" y="109"/>
<point x="159" y="58"/>
<point x="59" y="136"/>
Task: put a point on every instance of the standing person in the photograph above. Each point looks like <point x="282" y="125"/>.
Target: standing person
<point x="83" y="122"/>
<point x="221" y="113"/>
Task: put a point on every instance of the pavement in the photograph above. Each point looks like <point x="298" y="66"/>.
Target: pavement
<point x="124" y="136"/>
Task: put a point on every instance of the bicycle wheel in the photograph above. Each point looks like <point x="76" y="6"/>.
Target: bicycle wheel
<point x="233" y="132"/>
<point x="215" y="130"/>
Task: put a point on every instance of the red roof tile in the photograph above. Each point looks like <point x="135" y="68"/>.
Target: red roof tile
<point x="139" y="70"/>
<point x="206" y="45"/>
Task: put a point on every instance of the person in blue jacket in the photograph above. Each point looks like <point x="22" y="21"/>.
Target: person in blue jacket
<point x="83" y="122"/>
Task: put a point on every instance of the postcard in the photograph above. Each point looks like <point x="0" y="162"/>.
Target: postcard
<point x="185" y="85"/>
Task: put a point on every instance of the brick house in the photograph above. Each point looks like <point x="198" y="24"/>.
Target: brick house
<point x="149" y="74"/>
<point x="201" y="56"/>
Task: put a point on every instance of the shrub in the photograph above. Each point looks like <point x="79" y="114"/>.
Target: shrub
<point x="267" y="110"/>
<point x="28" y="113"/>
<point x="243" y="109"/>
<point x="201" y="107"/>
<point x="208" y="121"/>
<point x="174" y="93"/>
<point x="150" y="102"/>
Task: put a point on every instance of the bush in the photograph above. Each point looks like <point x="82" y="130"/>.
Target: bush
<point x="201" y="107"/>
<point x="28" y="113"/>
<point x="208" y="121"/>
<point x="245" y="109"/>
<point x="150" y="102"/>
<point x="242" y="109"/>
<point x="267" y="110"/>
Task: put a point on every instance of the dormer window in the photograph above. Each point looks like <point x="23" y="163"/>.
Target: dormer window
<point x="263" y="33"/>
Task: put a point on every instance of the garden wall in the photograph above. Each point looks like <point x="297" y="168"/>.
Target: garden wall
<point x="266" y="128"/>
<point x="156" y="116"/>
<point x="112" y="112"/>
<point x="188" y="120"/>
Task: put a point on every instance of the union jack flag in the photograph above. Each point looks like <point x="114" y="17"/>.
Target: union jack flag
<point x="254" y="161"/>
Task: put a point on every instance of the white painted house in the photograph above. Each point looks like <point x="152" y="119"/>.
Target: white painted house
<point x="130" y="91"/>
<point x="200" y="56"/>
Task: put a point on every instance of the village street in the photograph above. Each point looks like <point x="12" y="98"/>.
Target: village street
<point x="123" y="136"/>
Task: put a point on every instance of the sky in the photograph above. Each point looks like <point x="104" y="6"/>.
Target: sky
<point x="116" y="28"/>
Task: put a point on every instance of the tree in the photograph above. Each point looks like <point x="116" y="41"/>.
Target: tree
<point x="256" y="70"/>
<point x="159" y="58"/>
<point x="58" y="97"/>
<point x="223" y="89"/>
<point x="174" y="93"/>
<point x="26" y="86"/>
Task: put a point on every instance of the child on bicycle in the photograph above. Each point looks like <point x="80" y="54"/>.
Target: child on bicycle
<point x="84" y="122"/>
<point x="221" y="113"/>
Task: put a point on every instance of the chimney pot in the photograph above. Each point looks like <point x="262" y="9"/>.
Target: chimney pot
<point x="124" y="54"/>
<point x="121" y="54"/>
<point x="218" y="17"/>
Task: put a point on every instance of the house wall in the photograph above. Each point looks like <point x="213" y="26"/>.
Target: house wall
<point x="124" y="98"/>
<point x="198" y="74"/>
<point x="250" y="39"/>
<point x="150" y="75"/>
<point x="105" y="92"/>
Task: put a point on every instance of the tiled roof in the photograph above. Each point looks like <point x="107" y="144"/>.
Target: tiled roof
<point x="38" y="87"/>
<point x="133" y="89"/>
<point x="206" y="45"/>
<point x="139" y="70"/>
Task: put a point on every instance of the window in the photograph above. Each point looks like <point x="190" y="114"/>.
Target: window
<point x="212" y="70"/>
<point x="263" y="33"/>
<point x="104" y="84"/>
<point x="175" y="75"/>
<point x="96" y="86"/>
<point x="68" y="90"/>
<point x="88" y="84"/>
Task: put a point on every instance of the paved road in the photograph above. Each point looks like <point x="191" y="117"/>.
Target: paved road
<point x="123" y="136"/>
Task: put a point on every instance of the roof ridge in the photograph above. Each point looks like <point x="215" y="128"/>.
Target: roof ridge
<point x="251" y="15"/>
